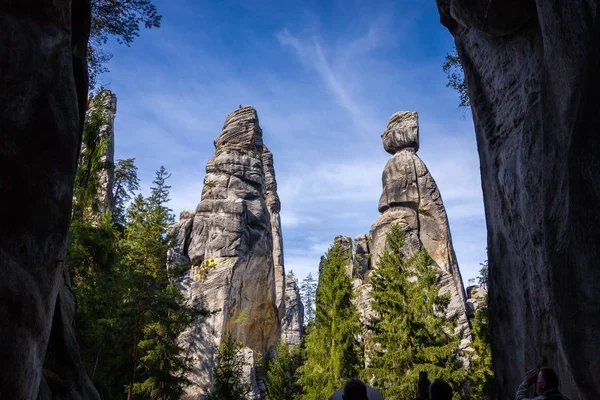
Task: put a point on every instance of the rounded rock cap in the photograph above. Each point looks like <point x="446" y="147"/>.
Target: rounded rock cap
<point x="402" y="132"/>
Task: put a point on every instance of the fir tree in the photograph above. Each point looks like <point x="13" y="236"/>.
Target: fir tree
<point x="281" y="375"/>
<point x="332" y="352"/>
<point x="125" y="183"/>
<point x="308" y="288"/>
<point x="161" y="314"/>
<point x="409" y="330"/>
<point x="228" y="372"/>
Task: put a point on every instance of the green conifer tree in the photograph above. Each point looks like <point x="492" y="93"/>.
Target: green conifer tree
<point x="159" y="362"/>
<point x="481" y="376"/>
<point x="227" y="374"/>
<point x="308" y="288"/>
<point x="332" y="350"/>
<point x="410" y="332"/>
<point x="281" y="375"/>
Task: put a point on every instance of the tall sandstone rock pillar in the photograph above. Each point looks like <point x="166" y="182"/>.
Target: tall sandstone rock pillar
<point x="411" y="199"/>
<point x="43" y="81"/>
<point x="229" y="242"/>
<point x="107" y="100"/>
<point x="532" y="69"/>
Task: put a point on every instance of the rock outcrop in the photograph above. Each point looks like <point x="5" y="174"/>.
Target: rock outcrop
<point x="229" y="243"/>
<point x="476" y="297"/>
<point x="292" y="325"/>
<point x="532" y="69"/>
<point x="107" y="102"/>
<point x="43" y="75"/>
<point x="411" y="199"/>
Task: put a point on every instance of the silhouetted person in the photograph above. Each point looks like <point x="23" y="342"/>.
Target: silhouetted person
<point x="423" y="390"/>
<point x="547" y="385"/>
<point x="355" y="389"/>
<point x="440" y="390"/>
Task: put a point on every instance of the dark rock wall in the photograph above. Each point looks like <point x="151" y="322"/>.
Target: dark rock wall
<point x="533" y="73"/>
<point x="43" y="81"/>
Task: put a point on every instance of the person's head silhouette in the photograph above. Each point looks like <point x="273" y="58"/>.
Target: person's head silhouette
<point x="355" y="389"/>
<point x="440" y="390"/>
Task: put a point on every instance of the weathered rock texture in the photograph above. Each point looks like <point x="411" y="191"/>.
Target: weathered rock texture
<point x="229" y="242"/>
<point x="411" y="199"/>
<point x="476" y="297"/>
<point x="532" y="69"/>
<point x="274" y="207"/>
<point x="43" y="76"/>
<point x="107" y="101"/>
<point x="292" y="325"/>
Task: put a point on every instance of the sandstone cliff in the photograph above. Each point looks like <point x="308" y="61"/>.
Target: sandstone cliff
<point x="232" y="242"/>
<point x="532" y="69"/>
<point x="43" y="76"/>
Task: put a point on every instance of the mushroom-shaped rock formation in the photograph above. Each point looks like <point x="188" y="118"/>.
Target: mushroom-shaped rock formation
<point x="411" y="199"/>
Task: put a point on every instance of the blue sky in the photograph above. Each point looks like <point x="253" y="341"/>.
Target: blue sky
<point x="324" y="76"/>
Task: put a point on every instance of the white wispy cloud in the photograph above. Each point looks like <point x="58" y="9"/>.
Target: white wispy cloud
<point x="323" y="97"/>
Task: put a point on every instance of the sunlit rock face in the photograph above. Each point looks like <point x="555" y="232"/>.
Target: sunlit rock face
<point x="411" y="199"/>
<point x="107" y="102"/>
<point x="292" y="325"/>
<point x="43" y="95"/>
<point x="230" y="244"/>
<point x="532" y="69"/>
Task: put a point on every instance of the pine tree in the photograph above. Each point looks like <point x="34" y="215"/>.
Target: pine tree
<point x="159" y="363"/>
<point x="227" y="374"/>
<point x="281" y="375"/>
<point x="332" y="353"/>
<point x="410" y="332"/>
<point x="308" y="289"/>
<point x="481" y="375"/>
<point x="125" y="183"/>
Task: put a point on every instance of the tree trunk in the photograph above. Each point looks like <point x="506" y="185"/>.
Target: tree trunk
<point x="135" y="346"/>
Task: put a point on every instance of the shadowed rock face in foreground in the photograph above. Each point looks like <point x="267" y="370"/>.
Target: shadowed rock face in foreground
<point x="533" y="74"/>
<point x="233" y="243"/>
<point x="43" y="76"/>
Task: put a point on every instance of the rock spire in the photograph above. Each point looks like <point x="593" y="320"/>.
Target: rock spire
<point x="410" y="198"/>
<point x="233" y="243"/>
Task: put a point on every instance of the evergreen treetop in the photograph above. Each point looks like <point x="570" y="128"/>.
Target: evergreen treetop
<point x="332" y="349"/>
<point x="409" y="330"/>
